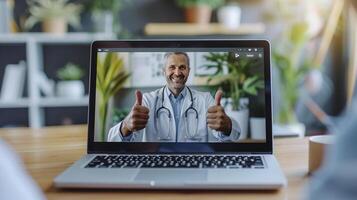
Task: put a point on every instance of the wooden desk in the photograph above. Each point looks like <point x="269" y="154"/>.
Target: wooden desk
<point x="48" y="151"/>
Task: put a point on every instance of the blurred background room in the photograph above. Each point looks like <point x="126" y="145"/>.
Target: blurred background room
<point x="44" y="51"/>
<point x="44" y="75"/>
<point x="45" y="44"/>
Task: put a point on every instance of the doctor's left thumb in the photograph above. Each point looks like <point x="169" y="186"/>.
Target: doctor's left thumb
<point x="138" y="97"/>
<point x="218" y="97"/>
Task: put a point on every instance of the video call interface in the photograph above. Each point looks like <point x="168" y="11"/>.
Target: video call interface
<point x="180" y="95"/>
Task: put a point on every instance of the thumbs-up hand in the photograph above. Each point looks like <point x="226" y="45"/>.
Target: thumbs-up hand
<point x="217" y="118"/>
<point x="137" y="118"/>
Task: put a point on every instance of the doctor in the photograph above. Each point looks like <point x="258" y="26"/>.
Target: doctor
<point x="176" y="113"/>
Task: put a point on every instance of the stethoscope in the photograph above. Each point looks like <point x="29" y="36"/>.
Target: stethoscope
<point x="190" y="133"/>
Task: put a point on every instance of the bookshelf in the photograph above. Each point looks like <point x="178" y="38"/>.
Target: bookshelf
<point x="34" y="47"/>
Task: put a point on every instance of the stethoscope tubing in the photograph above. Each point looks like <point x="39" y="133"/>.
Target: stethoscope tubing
<point x="168" y="111"/>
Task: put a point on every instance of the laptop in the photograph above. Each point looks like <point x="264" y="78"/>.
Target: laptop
<point x="164" y="114"/>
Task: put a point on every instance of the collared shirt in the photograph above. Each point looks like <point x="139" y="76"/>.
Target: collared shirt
<point x="176" y="103"/>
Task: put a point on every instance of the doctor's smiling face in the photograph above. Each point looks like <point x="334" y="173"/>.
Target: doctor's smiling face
<point x="176" y="71"/>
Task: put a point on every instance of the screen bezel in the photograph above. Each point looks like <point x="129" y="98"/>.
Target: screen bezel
<point x="190" y="148"/>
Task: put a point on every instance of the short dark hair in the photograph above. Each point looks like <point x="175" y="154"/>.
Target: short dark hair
<point x="167" y="55"/>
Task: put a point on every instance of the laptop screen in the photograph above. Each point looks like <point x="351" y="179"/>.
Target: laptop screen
<point x="180" y="95"/>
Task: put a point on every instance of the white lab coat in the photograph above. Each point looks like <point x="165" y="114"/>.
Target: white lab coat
<point x="201" y="102"/>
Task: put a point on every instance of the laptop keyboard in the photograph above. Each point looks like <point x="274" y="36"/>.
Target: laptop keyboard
<point x="176" y="161"/>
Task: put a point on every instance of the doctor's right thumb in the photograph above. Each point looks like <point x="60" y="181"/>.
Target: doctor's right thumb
<point x="138" y="97"/>
<point x="218" y="97"/>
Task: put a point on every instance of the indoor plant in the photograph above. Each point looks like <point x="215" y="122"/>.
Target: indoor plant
<point x="111" y="77"/>
<point x="237" y="79"/>
<point x="286" y="59"/>
<point x="54" y="15"/>
<point x="70" y="85"/>
<point x="297" y="63"/>
<point x="199" y="11"/>
<point x="118" y="115"/>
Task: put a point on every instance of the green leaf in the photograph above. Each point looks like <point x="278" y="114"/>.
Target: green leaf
<point x="30" y="22"/>
<point x="70" y="72"/>
<point x="241" y="78"/>
<point x="113" y="70"/>
<point x="119" y="84"/>
<point x="111" y="77"/>
<point x="107" y="63"/>
<point x="298" y="33"/>
<point x="190" y="3"/>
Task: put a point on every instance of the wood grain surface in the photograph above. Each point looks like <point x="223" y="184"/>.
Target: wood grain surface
<point x="48" y="151"/>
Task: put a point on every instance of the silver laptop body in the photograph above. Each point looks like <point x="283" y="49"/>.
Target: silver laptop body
<point x="90" y="172"/>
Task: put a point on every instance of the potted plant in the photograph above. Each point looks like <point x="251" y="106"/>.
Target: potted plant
<point x="105" y="15"/>
<point x="70" y="84"/>
<point x="55" y="15"/>
<point x="111" y="77"/>
<point x="286" y="59"/>
<point x="238" y="81"/>
<point x="199" y="11"/>
<point x="298" y="64"/>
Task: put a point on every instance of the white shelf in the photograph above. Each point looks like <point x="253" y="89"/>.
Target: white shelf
<point x="63" y="102"/>
<point x="33" y="43"/>
<point x="18" y="103"/>
<point x="198" y="29"/>
<point x="54" y="38"/>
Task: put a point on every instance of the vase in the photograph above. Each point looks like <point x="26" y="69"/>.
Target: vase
<point x="70" y="89"/>
<point x="229" y="16"/>
<point x="257" y="128"/>
<point x="56" y="26"/>
<point x="198" y="14"/>
<point x="240" y="116"/>
<point x="103" y="22"/>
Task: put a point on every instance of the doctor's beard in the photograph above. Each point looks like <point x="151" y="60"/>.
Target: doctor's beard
<point x="176" y="82"/>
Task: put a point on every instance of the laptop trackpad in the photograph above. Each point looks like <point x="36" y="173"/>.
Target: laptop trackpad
<point x="171" y="175"/>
